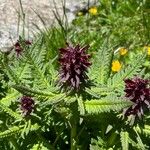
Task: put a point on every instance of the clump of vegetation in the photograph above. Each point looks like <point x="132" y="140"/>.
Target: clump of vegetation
<point x="77" y="97"/>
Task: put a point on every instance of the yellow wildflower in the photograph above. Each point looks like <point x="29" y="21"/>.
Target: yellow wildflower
<point x="147" y="48"/>
<point x="116" y="66"/>
<point x="93" y="11"/>
<point x="148" y="51"/>
<point x="123" y="51"/>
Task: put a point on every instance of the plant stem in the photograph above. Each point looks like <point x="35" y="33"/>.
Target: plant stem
<point x="48" y="145"/>
<point x="73" y="136"/>
<point x="23" y="17"/>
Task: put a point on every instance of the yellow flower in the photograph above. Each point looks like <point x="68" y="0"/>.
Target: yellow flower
<point x="116" y="66"/>
<point x="123" y="51"/>
<point x="147" y="48"/>
<point x="148" y="51"/>
<point x="93" y="10"/>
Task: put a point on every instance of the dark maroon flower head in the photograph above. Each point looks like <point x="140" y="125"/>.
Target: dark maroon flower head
<point x="74" y="63"/>
<point x="27" y="105"/>
<point x="19" y="46"/>
<point x="138" y="91"/>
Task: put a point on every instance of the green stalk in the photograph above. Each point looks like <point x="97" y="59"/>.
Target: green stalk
<point x="23" y="17"/>
<point x="47" y="144"/>
<point x="73" y="136"/>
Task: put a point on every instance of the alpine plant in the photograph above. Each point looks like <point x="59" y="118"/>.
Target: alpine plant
<point x="138" y="91"/>
<point x="18" y="47"/>
<point x="74" y="63"/>
<point x="27" y="105"/>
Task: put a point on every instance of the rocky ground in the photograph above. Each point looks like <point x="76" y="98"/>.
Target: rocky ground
<point x="11" y="18"/>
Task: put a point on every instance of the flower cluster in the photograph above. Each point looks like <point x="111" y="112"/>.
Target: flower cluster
<point x="116" y="66"/>
<point x="18" y="47"/>
<point x="74" y="63"/>
<point x="147" y="48"/>
<point x="123" y="51"/>
<point x="137" y="91"/>
<point x="93" y="10"/>
<point x="27" y="105"/>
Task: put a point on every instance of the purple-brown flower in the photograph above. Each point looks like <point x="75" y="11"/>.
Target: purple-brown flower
<point x="18" y="46"/>
<point x="74" y="63"/>
<point x="138" y="91"/>
<point x="27" y="105"/>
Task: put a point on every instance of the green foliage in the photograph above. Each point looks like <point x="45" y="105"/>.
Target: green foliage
<point x="100" y="72"/>
<point x="107" y="104"/>
<point x="10" y="131"/>
<point x="93" y="118"/>
<point x="124" y="136"/>
<point x="10" y="112"/>
<point x="10" y="97"/>
<point x="131" y="70"/>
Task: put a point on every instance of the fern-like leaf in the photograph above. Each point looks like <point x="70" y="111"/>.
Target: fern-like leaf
<point x="10" y="97"/>
<point x="140" y="143"/>
<point x="16" y="129"/>
<point x="32" y="92"/>
<point x="124" y="136"/>
<point x="35" y="58"/>
<point x="106" y="104"/>
<point x="145" y="130"/>
<point x="10" y="112"/>
<point x="100" y="71"/>
<point x="11" y="131"/>
<point x="98" y="91"/>
<point x="53" y="100"/>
